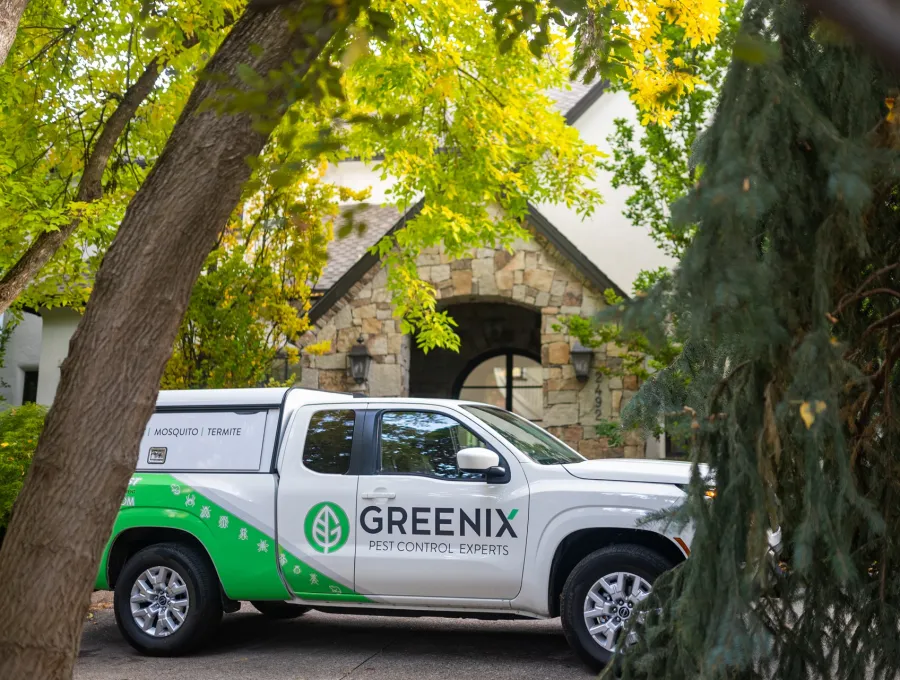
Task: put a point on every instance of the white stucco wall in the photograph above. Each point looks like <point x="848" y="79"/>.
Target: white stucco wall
<point x="619" y="249"/>
<point x="357" y="175"/>
<point x="23" y="351"/>
<point x="59" y="325"/>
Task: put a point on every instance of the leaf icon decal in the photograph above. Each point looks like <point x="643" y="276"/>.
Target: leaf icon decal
<point x="326" y="527"/>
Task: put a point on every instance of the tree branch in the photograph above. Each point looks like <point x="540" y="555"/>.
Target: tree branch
<point x="90" y="188"/>
<point x="889" y="320"/>
<point x="860" y="292"/>
<point x="863" y="295"/>
<point x="877" y="381"/>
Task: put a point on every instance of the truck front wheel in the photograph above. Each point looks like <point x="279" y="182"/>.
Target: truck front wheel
<point x="600" y="595"/>
<point x="167" y="600"/>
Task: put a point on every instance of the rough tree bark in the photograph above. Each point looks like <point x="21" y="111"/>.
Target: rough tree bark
<point x="90" y="189"/>
<point x="109" y="381"/>
<point x="11" y="12"/>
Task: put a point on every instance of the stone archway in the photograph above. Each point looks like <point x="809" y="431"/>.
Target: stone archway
<point x="485" y="329"/>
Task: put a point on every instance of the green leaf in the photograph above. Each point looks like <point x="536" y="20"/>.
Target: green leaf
<point x="754" y="50"/>
<point x="151" y="32"/>
<point x="247" y="75"/>
<point x="382" y="24"/>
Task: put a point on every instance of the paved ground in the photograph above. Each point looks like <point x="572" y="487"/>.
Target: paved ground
<point x="331" y="647"/>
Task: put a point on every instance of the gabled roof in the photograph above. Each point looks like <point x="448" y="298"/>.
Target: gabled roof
<point x="349" y="258"/>
<point x="573" y="102"/>
<point x="371" y="222"/>
<point x="345" y="278"/>
<point x="375" y="229"/>
<point x="567" y="249"/>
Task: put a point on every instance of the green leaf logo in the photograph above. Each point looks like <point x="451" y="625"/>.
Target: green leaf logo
<point x="327" y="527"/>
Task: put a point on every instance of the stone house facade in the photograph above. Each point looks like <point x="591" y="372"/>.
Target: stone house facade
<point x="506" y="304"/>
<point x="508" y="307"/>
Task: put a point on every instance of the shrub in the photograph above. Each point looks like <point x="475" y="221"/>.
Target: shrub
<point x="612" y="431"/>
<point x="20" y="428"/>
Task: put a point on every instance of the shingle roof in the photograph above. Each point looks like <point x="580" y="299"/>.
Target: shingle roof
<point x="565" y="98"/>
<point x="370" y="222"/>
<point x="577" y="99"/>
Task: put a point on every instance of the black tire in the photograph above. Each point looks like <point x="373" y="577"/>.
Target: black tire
<point x="276" y="609"/>
<point x="632" y="559"/>
<point x="204" y="611"/>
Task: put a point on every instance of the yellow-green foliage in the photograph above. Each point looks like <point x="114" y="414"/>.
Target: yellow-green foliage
<point x="71" y="64"/>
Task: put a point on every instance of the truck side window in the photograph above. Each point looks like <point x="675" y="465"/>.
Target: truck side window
<point x="424" y="443"/>
<point x="328" y="442"/>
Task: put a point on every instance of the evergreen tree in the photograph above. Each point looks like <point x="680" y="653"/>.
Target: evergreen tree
<point x="787" y="299"/>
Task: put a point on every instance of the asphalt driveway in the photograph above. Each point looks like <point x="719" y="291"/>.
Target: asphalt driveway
<point x="333" y="647"/>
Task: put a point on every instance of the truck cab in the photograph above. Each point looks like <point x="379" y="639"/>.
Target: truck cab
<point x="295" y="499"/>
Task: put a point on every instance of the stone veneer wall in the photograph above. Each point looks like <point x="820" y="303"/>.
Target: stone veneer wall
<point x="534" y="276"/>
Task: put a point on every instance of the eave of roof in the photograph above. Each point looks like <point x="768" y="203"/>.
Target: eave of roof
<point x="582" y="263"/>
<point x="541" y="225"/>
<point x="585" y="103"/>
<point x="343" y="285"/>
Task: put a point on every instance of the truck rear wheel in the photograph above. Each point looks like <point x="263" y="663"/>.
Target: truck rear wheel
<point x="276" y="609"/>
<point x="167" y="600"/>
<point x="600" y="596"/>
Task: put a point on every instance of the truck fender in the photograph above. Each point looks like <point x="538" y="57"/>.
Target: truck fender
<point x="148" y="520"/>
<point x="561" y="526"/>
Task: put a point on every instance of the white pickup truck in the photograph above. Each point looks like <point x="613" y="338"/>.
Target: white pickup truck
<point x="295" y="499"/>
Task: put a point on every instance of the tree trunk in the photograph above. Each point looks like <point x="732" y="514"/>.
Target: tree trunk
<point x="90" y="189"/>
<point x="10" y="14"/>
<point x="109" y="382"/>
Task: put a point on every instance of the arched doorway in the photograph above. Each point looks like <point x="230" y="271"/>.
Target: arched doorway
<point x="507" y="379"/>
<point x="498" y="339"/>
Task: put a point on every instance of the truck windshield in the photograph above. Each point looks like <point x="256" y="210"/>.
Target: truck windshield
<point x="526" y="436"/>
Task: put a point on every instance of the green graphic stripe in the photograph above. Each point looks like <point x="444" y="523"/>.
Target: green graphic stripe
<point x="512" y="514"/>
<point x="244" y="556"/>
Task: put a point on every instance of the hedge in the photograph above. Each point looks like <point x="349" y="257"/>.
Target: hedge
<point x="20" y="428"/>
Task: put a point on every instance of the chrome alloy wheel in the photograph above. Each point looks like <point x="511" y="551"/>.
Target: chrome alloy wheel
<point x="609" y="605"/>
<point x="159" y="601"/>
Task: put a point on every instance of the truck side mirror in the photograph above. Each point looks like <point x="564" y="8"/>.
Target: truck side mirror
<point x="476" y="459"/>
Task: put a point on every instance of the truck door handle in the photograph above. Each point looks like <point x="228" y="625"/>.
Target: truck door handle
<point x="372" y="495"/>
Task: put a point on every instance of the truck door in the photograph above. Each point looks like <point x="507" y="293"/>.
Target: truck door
<point x="317" y="501"/>
<point x="425" y="529"/>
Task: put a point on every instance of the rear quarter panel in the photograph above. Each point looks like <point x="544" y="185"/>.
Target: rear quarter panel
<point x="232" y="515"/>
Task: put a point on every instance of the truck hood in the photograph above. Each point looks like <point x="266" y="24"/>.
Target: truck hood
<point x="635" y="470"/>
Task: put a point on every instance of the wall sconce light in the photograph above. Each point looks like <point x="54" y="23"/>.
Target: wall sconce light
<point x="581" y="361"/>
<point x="359" y="361"/>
